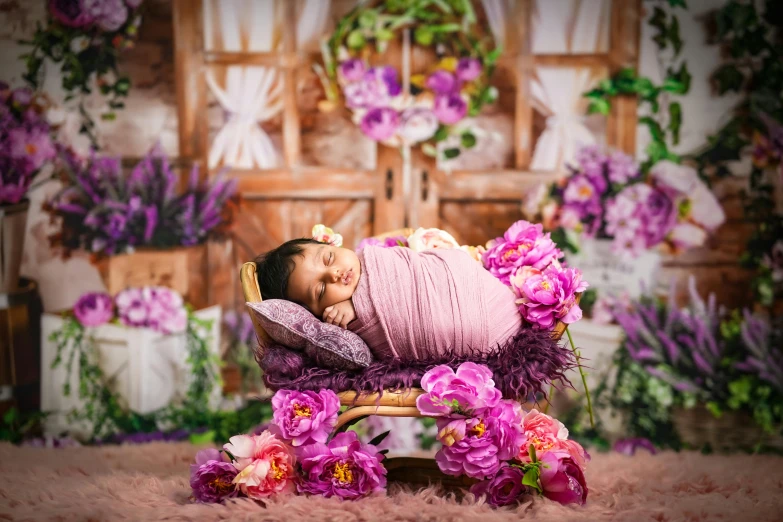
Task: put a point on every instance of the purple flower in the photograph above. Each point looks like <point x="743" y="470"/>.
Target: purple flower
<point x="442" y="82"/>
<point x="562" y="479"/>
<point x="550" y="296"/>
<point x="132" y="309"/>
<point x="468" y="448"/>
<point x="109" y="15"/>
<point x="375" y="89"/>
<point x="469" y="390"/>
<point x="211" y="477"/>
<point x="629" y="446"/>
<point x="504" y="424"/>
<point x="468" y="69"/>
<point x="155" y="307"/>
<point x="31" y="149"/>
<point x="344" y="468"/>
<point x="504" y="488"/>
<point x="71" y="13"/>
<point x="352" y="70"/>
<point x="450" y="108"/>
<point x="94" y="309"/>
<point x="304" y="417"/>
<point x="622" y="168"/>
<point x="523" y="244"/>
<point x="380" y="124"/>
<point x="389" y="242"/>
<point x="661" y="216"/>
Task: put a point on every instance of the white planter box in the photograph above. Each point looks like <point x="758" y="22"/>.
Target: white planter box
<point x="611" y="274"/>
<point x="148" y="370"/>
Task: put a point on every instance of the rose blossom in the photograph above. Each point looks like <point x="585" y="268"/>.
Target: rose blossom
<point x="94" y="309"/>
<point x="450" y="108"/>
<point x="418" y="124"/>
<point x="211" y="477"/>
<point x="551" y="296"/>
<point x="344" y="468"/>
<point x="468" y="390"/>
<point x="468" y="69"/>
<point x="424" y="239"/>
<point x="265" y="465"/>
<point x="562" y="480"/>
<point x="380" y="124"/>
<point x="504" y="488"/>
<point x="523" y="244"/>
<point x="304" y="417"/>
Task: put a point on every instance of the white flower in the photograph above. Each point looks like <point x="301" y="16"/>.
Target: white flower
<point x="430" y="239"/>
<point x="705" y="208"/>
<point x="676" y="177"/>
<point x="687" y="235"/>
<point x="418" y="124"/>
<point x="79" y="44"/>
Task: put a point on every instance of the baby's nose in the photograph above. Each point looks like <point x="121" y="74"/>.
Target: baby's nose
<point x="335" y="276"/>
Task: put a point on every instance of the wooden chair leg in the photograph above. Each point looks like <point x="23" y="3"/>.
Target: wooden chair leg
<point x="383" y="411"/>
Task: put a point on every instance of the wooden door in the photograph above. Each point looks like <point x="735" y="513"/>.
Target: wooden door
<point x="479" y="195"/>
<point x="296" y="166"/>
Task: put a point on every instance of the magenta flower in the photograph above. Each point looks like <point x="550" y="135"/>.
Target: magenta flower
<point x="376" y="89"/>
<point x="132" y="308"/>
<point x="30" y="148"/>
<point x="211" y="477"/>
<point x="304" y="417"/>
<point x="469" y="448"/>
<point x="504" y="424"/>
<point x="94" y="309"/>
<point x="504" y="489"/>
<point x="442" y="82"/>
<point x="109" y="15"/>
<point x="70" y="13"/>
<point x="155" y="307"/>
<point x="344" y="468"/>
<point x="550" y="296"/>
<point x="468" y="69"/>
<point x="389" y="242"/>
<point x="467" y="391"/>
<point x="622" y="168"/>
<point x="629" y="446"/>
<point x="562" y="479"/>
<point x="352" y="70"/>
<point x="380" y="124"/>
<point x="450" y="108"/>
<point x="523" y="244"/>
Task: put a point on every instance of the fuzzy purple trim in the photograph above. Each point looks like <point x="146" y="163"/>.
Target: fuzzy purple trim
<point x="526" y="365"/>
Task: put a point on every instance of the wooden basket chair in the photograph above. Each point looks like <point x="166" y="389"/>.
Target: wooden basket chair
<point x="386" y="404"/>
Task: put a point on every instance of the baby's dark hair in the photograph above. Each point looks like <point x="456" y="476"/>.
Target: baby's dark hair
<point x="274" y="268"/>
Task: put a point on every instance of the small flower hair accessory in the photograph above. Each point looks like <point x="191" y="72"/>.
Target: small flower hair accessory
<point x="324" y="234"/>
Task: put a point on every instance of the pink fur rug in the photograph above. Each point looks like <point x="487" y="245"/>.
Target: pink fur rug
<point x="150" y="482"/>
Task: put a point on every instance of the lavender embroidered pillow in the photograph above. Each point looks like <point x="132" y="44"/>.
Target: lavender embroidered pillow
<point x="292" y="326"/>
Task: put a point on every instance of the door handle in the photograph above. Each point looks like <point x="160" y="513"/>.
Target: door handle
<point x="389" y="184"/>
<point x="425" y="185"/>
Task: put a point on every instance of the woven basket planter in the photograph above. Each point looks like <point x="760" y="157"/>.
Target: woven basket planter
<point x="732" y="431"/>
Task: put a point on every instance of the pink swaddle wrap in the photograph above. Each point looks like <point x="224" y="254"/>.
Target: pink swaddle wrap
<point x="423" y="305"/>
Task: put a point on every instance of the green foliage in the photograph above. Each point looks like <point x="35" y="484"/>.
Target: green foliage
<point x="16" y="426"/>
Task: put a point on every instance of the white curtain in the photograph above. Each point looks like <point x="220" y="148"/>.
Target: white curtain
<point x="559" y="27"/>
<point x="252" y="94"/>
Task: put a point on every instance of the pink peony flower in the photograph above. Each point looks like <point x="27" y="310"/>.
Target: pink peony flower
<point x="352" y="70"/>
<point x="132" y="308"/>
<point x="562" y="480"/>
<point x="468" y="69"/>
<point x="474" y="451"/>
<point x="304" y="417"/>
<point x="469" y="390"/>
<point x="504" y="489"/>
<point x="523" y="244"/>
<point x="442" y="82"/>
<point x="381" y="123"/>
<point x="265" y="465"/>
<point x="344" y="468"/>
<point x="550" y="296"/>
<point x="430" y="239"/>
<point x="450" y="108"/>
<point x="546" y="434"/>
<point x="32" y="148"/>
<point x="212" y="477"/>
<point x="94" y="309"/>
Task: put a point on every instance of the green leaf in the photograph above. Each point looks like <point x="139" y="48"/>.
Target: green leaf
<point x="675" y="121"/>
<point x="384" y="35"/>
<point x="678" y="82"/>
<point x="600" y="106"/>
<point x="199" y="439"/>
<point x="674" y="36"/>
<point x="492" y="57"/>
<point x="451" y="153"/>
<point x="367" y="19"/>
<point x="379" y="438"/>
<point x="678" y="3"/>
<point x="468" y="140"/>
<point x="429" y="150"/>
<point x="442" y="133"/>
<point x="355" y="39"/>
<point x="423" y="35"/>
<point x="530" y="479"/>
<point x="728" y="78"/>
<point x="445" y="28"/>
<point x="532" y="452"/>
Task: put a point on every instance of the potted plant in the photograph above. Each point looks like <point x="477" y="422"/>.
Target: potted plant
<point x="25" y="149"/>
<point x="616" y="218"/>
<point x="140" y="229"/>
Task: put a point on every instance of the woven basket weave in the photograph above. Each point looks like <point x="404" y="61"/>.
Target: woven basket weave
<point x="732" y="431"/>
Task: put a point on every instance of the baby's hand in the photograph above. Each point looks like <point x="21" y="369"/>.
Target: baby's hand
<point x="340" y="314"/>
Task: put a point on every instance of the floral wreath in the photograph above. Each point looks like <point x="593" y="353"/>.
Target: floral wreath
<point x="436" y="111"/>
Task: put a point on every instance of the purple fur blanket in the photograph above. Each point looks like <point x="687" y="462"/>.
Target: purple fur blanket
<point x="523" y="366"/>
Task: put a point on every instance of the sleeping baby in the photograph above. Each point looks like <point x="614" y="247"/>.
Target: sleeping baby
<point x="405" y="305"/>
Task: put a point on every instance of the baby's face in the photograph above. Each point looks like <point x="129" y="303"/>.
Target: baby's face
<point x="324" y="275"/>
